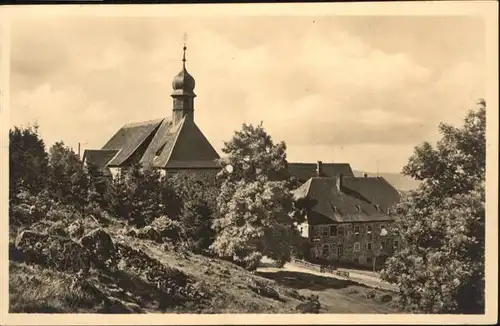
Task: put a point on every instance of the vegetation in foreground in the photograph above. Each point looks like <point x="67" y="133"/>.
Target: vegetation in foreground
<point x="81" y="242"/>
<point x="146" y="276"/>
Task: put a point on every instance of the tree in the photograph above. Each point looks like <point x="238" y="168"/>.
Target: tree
<point x="140" y="195"/>
<point x="68" y="181"/>
<point x="197" y="195"/>
<point x="28" y="161"/>
<point x="256" y="212"/>
<point x="440" y="268"/>
<point x="100" y="187"/>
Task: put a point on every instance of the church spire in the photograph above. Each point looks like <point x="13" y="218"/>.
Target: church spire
<point x="183" y="94"/>
<point x="184" y="52"/>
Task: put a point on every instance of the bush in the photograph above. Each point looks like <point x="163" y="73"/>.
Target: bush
<point x="160" y="230"/>
<point x="56" y="252"/>
<point x="65" y="213"/>
<point x="27" y="209"/>
<point x="312" y="306"/>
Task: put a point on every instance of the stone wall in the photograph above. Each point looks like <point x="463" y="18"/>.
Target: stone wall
<point x="357" y="243"/>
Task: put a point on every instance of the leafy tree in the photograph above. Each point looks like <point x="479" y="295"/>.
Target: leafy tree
<point x="256" y="212"/>
<point x="68" y="182"/>
<point x="440" y="269"/>
<point x="197" y="195"/>
<point x="100" y="187"/>
<point x="28" y="161"/>
<point x="141" y="195"/>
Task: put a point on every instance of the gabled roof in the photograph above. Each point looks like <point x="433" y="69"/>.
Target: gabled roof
<point x="158" y="151"/>
<point x="158" y="143"/>
<point x="129" y="138"/>
<point x="375" y="190"/>
<point x="191" y="148"/>
<point x="333" y="206"/>
<point x="98" y="157"/>
<point x="304" y="171"/>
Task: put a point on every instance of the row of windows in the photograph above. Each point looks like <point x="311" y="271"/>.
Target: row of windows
<point x="333" y="230"/>
<point x="357" y="247"/>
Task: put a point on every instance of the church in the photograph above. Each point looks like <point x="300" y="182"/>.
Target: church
<point x="171" y="144"/>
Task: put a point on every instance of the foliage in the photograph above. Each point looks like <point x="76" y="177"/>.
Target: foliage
<point x="100" y="189"/>
<point x="68" y="182"/>
<point x="28" y="161"/>
<point x="161" y="230"/>
<point x="441" y="267"/>
<point x="255" y="205"/>
<point x="139" y="195"/>
<point x="26" y="208"/>
<point x="197" y="195"/>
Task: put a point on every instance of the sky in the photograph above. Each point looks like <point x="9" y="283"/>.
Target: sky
<point x="358" y="89"/>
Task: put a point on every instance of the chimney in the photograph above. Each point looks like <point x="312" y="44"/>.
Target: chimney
<point x="340" y="181"/>
<point x="365" y="175"/>
<point x="319" y="168"/>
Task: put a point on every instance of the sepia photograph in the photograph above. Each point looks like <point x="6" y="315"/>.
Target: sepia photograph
<point x="225" y="163"/>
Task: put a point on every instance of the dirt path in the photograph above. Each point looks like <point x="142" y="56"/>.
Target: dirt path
<point x="336" y="295"/>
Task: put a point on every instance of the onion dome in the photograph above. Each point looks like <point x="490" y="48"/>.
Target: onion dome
<point x="183" y="82"/>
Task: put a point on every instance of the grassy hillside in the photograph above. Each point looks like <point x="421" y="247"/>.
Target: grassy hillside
<point x="397" y="180"/>
<point x="213" y="286"/>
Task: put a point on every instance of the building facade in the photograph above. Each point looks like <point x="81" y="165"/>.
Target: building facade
<point x="349" y="219"/>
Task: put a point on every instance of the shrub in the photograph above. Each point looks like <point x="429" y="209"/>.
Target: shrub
<point x="60" y="212"/>
<point x="312" y="306"/>
<point x="56" y="252"/>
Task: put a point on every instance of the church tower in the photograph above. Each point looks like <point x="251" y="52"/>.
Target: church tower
<point x="183" y="95"/>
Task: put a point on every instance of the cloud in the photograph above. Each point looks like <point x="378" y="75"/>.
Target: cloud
<point x="315" y="82"/>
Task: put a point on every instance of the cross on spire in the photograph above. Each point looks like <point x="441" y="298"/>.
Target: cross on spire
<point x="184" y="50"/>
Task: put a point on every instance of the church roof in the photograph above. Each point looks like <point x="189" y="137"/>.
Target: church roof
<point x="129" y="138"/>
<point x="348" y="205"/>
<point x="98" y="157"/>
<point x="158" y="143"/>
<point x="304" y="171"/>
<point x="180" y="146"/>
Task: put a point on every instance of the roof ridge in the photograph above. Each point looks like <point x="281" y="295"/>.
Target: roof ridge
<point x="155" y="129"/>
<point x="143" y="123"/>
<point x="118" y="151"/>
<point x="314" y="163"/>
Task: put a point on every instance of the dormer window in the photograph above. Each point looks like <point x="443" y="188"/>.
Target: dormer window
<point x="358" y="208"/>
<point x="158" y="152"/>
<point x="377" y="207"/>
<point x="335" y="210"/>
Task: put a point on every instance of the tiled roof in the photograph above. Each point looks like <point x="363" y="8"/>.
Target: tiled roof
<point x="191" y="147"/>
<point x="304" y="171"/>
<point x="158" y="151"/>
<point x="331" y="205"/>
<point x="98" y="157"/>
<point x="375" y="190"/>
<point x="159" y="144"/>
<point x="129" y="138"/>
